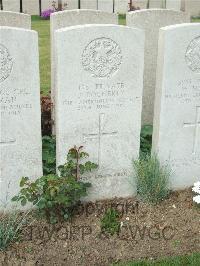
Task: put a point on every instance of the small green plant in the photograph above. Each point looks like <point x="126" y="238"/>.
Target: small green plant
<point x="176" y="243"/>
<point x="146" y="139"/>
<point x="10" y="228"/>
<point x="49" y="155"/>
<point x="110" y="222"/>
<point x="151" y="178"/>
<point x="29" y="250"/>
<point x="55" y="196"/>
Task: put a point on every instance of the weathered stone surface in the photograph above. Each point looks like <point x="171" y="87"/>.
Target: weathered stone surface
<point x="142" y="4"/>
<point x="176" y="135"/>
<point x="13" y="5"/>
<point x="105" y="5"/>
<point x="71" y="18"/>
<point x="88" y="4"/>
<point x="98" y="104"/>
<point x="13" y="19"/>
<point x="31" y="7"/>
<point x="192" y="7"/>
<point x="20" y="117"/>
<point x="121" y="6"/>
<point x="70" y="4"/>
<point x="173" y="4"/>
<point x="151" y="21"/>
<point x="156" y="3"/>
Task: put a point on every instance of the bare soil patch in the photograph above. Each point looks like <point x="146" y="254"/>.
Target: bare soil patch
<point x="168" y="229"/>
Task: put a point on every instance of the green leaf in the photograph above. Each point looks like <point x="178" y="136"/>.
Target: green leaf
<point x="66" y="216"/>
<point x="23" y="202"/>
<point x="23" y="181"/>
<point x="15" y="198"/>
<point x="56" y="195"/>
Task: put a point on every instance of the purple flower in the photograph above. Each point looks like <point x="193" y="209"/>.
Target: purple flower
<point x="46" y="13"/>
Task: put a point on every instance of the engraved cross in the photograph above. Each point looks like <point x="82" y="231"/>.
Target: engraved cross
<point x="101" y="133"/>
<point x="196" y="126"/>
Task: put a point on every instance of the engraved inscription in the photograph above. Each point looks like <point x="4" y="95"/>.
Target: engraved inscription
<point x="192" y="55"/>
<point x="188" y="91"/>
<point x="13" y="101"/>
<point x="101" y="97"/>
<point x="99" y="135"/>
<point x="185" y="161"/>
<point x="6" y="63"/>
<point x="102" y="57"/>
<point x="196" y="126"/>
<point x="122" y="173"/>
<point x="8" y="142"/>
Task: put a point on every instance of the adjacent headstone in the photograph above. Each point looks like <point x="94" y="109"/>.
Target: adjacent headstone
<point x="71" y="18"/>
<point x="105" y="5"/>
<point x="157" y="3"/>
<point x="121" y="6"/>
<point x="13" y="5"/>
<point x="13" y="19"/>
<point x="70" y="4"/>
<point x="31" y="7"/>
<point x="192" y="7"/>
<point x="89" y="4"/>
<point x="142" y="4"/>
<point x="151" y="21"/>
<point x="176" y="135"/>
<point x="173" y="4"/>
<point x="20" y="117"/>
<point x="98" y="104"/>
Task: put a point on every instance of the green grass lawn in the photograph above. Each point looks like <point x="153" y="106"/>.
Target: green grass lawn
<point x="43" y="28"/>
<point x="122" y="19"/>
<point x="192" y="260"/>
<point x="196" y="20"/>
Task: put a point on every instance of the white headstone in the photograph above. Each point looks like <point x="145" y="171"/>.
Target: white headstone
<point x="11" y="5"/>
<point x="31" y="7"/>
<point x="173" y="4"/>
<point x="71" y="18"/>
<point x="13" y="19"/>
<point x="105" y="5"/>
<point x="157" y="3"/>
<point x="176" y="135"/>
<point x="98" y="104"/>
<point x="192" y="7"/>
<point x="142" y="4"/>
<point x="89" y="4"/>
<point x="121" y="6"/>
<point x="151" y="21"/>
<point x="70" y="4"/>
<point x="20" y="117"/>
